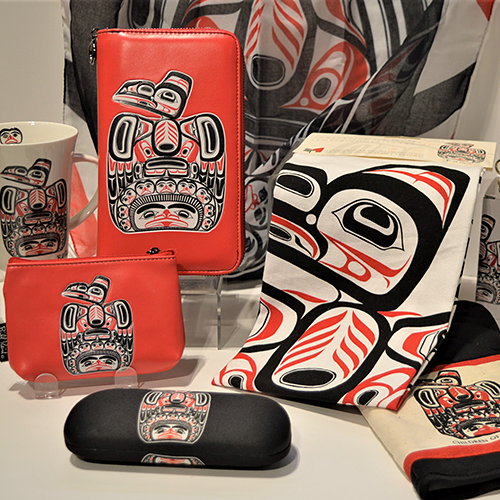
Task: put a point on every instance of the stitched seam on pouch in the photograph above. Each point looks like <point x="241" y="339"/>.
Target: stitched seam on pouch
<point x="118" y="260"/>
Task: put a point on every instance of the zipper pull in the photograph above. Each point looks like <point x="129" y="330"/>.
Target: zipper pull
<point x="160" y="253"/>
<point x="93" y="47"/>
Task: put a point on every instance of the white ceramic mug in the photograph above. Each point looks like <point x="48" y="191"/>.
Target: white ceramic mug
<point x="36" y="163"/>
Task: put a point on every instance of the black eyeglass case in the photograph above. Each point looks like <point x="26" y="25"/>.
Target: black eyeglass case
<point x="178" y="428"/>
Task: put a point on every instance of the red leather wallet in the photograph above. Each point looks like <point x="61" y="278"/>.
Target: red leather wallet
<point x="89" y="317"/>
<point x="170" y="112"/>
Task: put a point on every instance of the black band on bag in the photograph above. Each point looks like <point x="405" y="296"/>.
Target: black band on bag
<point x="3" y="343"/>
<point x="473" y="335"/>
<point x="470" y="321"/>
<point x="456" y="479"/>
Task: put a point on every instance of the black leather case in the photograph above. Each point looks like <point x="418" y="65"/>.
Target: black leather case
<point x="190" y="428"/>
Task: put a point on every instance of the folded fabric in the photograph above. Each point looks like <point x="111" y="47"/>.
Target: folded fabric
<point x="360" y="279"/>
<point x="446" y="435"/>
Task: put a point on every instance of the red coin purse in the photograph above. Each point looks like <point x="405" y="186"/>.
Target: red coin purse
<point x="89" y="317"/>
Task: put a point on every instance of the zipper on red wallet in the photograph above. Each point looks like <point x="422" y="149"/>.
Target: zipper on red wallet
<point x="93" y="47"/>
<point x="159" y="252"/>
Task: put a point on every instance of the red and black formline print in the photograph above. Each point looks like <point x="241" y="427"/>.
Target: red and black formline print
<point x="456" y="152"/>
<point x="166" y="171"/>
<point x="96" y="336"/>
<point x="33" y="216"/>
<point x="357" y="245"/>
<point x="463" y="411"/>
<point x="173" y="415"/>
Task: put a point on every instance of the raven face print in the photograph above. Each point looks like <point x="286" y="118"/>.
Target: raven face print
<point x="33" y="215"/>
<point x="168" y="98"/>
<point x="173" y="415"/>
<point x="165" y="172"/>
<point x="34" y="176"/>
<point x="96" y="336"/>
<point x="463" y="411"/>
<point x="372" y="233"/>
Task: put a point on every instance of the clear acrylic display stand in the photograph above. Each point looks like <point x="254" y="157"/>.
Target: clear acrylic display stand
<point x="47" y="386"/>
<point x="202" y="310"/>
<point x="218" y="312"/>
<point x="126" y="378"/>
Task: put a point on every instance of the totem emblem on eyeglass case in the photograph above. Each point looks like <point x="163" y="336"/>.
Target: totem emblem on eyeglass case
<point x="166" y="171"/>
<point x="33" y="215"/>
<point x="96" y="336"/>
<point x="463" y="411"/>
<point x="173" y="415"/>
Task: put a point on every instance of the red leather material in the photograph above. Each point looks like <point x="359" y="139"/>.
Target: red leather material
<point x="88" y="317"/>
<point x="200" y="72"/>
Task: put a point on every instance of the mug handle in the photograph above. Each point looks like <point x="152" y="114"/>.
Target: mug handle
<point x="89" y="209"/>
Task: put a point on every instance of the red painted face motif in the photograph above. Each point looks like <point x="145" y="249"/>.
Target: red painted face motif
<point x="171" y="431"/>
<point x="39" y="246"/>
<point x="98" y="363"/>
<point x="166" y="214"/>
<point x="11" y="136"/>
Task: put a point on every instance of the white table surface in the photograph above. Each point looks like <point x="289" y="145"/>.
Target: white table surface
<point x="334" y="454"/>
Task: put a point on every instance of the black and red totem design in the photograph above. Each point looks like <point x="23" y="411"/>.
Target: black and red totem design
<point x="173" y="415"/>
<point x="337" y="322"/>
<point x="455" y="152"/>
<point x="33" y="215"/>
<point x="463" y="411"/>
<point x="166" y="171"/>
<point x="488" y="276"/>
<point x="96" y="336"/>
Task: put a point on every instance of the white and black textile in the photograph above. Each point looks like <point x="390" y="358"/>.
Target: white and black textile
<point x="360" y="279"/>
